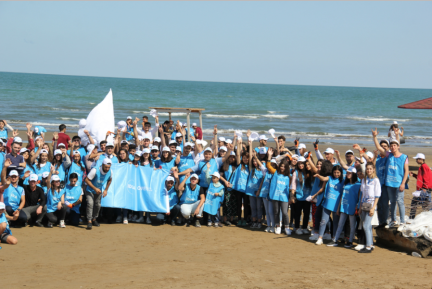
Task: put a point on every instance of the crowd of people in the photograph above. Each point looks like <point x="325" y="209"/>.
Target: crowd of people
<point x="228" y="182"/>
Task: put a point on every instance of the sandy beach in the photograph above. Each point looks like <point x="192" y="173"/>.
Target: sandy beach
<point x="146" y="256"/>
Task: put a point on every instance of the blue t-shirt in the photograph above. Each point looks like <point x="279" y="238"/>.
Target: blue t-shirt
<point x="333" y="194"/>
<point x="204" y="173"/>
<point x="53" y="200"/>
<point x="4" y="133"/>
<point x="350" y="198"/>
<point x="190" y="196"/>
<point x="4" y="220"/>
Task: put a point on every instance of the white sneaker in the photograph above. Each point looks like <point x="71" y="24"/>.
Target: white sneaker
<point x="125" y="221"/>
<point x="119" y="219"/>
<point x="288" y="231"/>
<point x="277" y="230"/>
<point x="401" y="227"/>
<point x="62" y="224"/>
<point x="306" y="231"/>
<point x="271" y="230"/>
<point x="267" y="229"/>
<point x="299" y="231"/>
<point x="314" y="237"/>
<point x="327" y="236"/>
<point x="359" y="247"/>
<point x="319" y="242"/>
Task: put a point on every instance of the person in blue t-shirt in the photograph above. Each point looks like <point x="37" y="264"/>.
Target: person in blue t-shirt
<point x="191" y="200"/>
<point x="172" y="195"/>
<point x="4" y="129"/>
<point x="39" y="131"/>
<point x="5" y="232"/>
<point x="347" y="207"/>
<point x="332" y="196"/>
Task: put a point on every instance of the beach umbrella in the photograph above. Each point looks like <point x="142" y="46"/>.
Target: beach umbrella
<point x="420" y="104"/>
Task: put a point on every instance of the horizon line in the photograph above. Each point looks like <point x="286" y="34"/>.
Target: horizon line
<point x="318" y="85"/>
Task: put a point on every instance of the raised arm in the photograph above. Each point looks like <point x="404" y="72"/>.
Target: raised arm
<point x="324" y="179"/>
<point x="162" y="137"/>
<point x="238" y="152"/>
<point x="230" y="148"/>
<point x="181" y="186"/>
<point x="375" y="140"/>
<point x="250" y="154"/>
<point x="215" y="141"/>
<point x="136" y="132"/>
<point x="340" y="160"/>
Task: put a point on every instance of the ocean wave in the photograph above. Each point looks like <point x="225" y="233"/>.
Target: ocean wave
<point x="162" y="113"/>
<point x="64" y="109"/>
<point x="18" y="122"/>
<point x="324" y="135"/>
<point x="68" y="118"/>
<point x="251" y="116"/>
<point x="269" y="111"/>
<point x="376" y="119"/>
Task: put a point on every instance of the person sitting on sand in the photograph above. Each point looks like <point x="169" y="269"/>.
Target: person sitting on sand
<point x="5" y="232"/>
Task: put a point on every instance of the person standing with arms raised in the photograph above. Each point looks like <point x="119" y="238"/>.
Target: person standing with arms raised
<point x="397" y="171"/>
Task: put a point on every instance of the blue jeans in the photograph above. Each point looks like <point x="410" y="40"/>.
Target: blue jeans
<point x="269" y="212"/>
<point x="396" y="196"/>
<point x="383" y="206"/>
<point x="367" y="227"/>
<point x="256" y="207"/>
<point x="341" y="224"/>
<point x="325" y="218"/>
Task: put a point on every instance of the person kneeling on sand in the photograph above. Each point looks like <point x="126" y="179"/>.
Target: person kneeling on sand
<point x="192" y="200"/>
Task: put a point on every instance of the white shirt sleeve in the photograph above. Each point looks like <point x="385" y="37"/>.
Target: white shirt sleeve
<point x="92" y="174"/>
<point x="377" y="188"/>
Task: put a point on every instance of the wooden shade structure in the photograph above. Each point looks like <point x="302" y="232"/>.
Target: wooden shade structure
<point x="421" y="104"/>
<point x="188" y="111"/>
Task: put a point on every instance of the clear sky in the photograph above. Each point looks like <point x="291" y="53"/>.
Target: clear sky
<point x="378" y="44"/>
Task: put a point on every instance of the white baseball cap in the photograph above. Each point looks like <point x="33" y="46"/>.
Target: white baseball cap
<point x="107" y="161"/>
<point x="55" y="178"/>
<point x="301" y="159"/>
<point x="138" y="153"/>
<point x="170" y="179"/>
<point x="166" y="149"/>
<point x="124" y="141"/>
<point x="146" y="151"/>
<point x="198" y="141"/>
<point x="157" y="139"/>
<point x="57" y="152"/>
<point x="17" y="139"/>
<point x="216" y="174"/>
<point x="394" y="141"/>
<point x="38" y="137"/>
<point x="395" y="122"/>
<point x="370" y="154"/>
<point x="76" y="152"/>
<point x="349" y="152"/>
<point x="302" y="146"/>
<point x="109" y="144"/>
<point x="172" y="142"/>
<point x="90" y="148"/>
<point x="2" y="206"/>
<point x="222" y="139"/>
<point x="419" y="156"/>
<point x="194" y="124"/>
<point x="208" y="149"/>
<point x="262" y="150"/>
<point x="23" y="150"/>
<point x="61" y="145"/>
<point x="223" y="148"/>
<point x="295" y="156"/>
<point x="13" y="173"/>
<point x="178" y="149"/>
<point x="188" y="144"/>
<point x="273" y="161"/>
<point x="129" y="117"/>
<point x="179" y="134"/>
<point x="352" y="170"/>
<point x="34" y="177"/>
<point x="263" y="137"/>
<point x="184" y="124"/>
<point x="36" y="129"/>
<point x="232" y="153"/>
<point x="194" y="176"/>
<point x="329" y="151"/>
<point x="228" y="141"/>
<point x="44" y="151"/>
<point x="154" y="148"/>
<point x="45" y="175"/>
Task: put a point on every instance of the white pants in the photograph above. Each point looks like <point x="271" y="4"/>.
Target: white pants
<point x="189" y="209"/>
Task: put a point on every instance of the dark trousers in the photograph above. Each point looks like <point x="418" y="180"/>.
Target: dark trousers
<point x="73" y="217"/>
<point x="22" y="216"/>
<point x="56" y="216"/>
<point x="243" y="199"/>
<point x="173" y="215"/>
<point x="301" y="206"/>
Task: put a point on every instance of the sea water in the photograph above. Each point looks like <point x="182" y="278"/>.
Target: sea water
<point x="332" y="114"/>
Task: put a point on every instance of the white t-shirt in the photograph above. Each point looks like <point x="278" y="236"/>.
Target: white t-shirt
<point x="371" y="189"/>
<point x="92" y="173"/>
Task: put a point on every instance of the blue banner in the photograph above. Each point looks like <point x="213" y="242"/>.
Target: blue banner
<point x="137" y="188"/>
